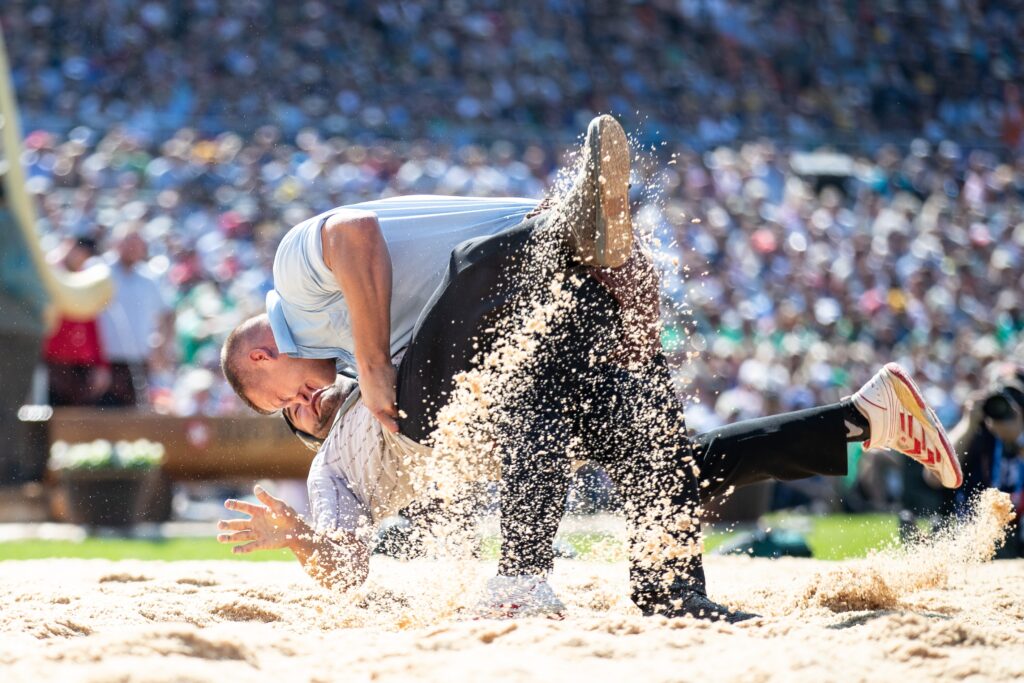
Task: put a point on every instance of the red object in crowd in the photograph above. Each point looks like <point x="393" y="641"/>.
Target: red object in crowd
<point x="764" y="241"/>
<point x="871" y="301"/>
<point x="75" y="342"/>
<point x="184" y="272"/>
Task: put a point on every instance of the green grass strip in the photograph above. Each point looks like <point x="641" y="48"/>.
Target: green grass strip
<point x="132" y="549"/>
<point x="831" y="537"/>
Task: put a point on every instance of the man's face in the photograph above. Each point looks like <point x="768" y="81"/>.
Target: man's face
<point x="132" y="249"/>
<point x="316" y="418"/>
<point x="284" y="381"/>
<point x="1009" y="430"/>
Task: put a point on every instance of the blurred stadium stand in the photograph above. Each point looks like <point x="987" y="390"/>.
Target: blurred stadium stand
<point x="212" y="127"/>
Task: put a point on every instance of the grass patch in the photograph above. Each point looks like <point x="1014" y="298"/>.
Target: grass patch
<point x="831" y="537"/>
<point x="133" y="549"/>
<point x="838" y="537"/>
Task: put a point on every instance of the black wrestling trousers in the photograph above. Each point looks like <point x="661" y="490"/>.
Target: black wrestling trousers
<point x="651" y="472"/>
<point x="481" y="287"/>
<point x="604" y="411"/>
<point x="663" y="476"/>
<point x="783" y="447"/>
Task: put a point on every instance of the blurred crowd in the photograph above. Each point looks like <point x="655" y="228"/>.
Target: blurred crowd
<point x="179" y="140"/>
<point x="714" y="71"/>
<point x="786" y="288"/>
<point x="801" y="286"/>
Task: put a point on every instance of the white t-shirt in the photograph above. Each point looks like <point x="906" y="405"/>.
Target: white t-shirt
<point x="128" y="324"/>
<point x="309" y="315"/>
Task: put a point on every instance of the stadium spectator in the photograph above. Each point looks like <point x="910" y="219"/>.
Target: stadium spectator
<point x="77" y="371"/>
<point x="990" y="435"/>
<point x="130" y="325"/>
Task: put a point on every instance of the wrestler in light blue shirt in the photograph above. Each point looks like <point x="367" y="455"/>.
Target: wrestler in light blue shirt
<point x="308" y="313"/>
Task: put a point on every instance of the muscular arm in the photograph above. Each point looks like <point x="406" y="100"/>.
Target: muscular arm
<point x="335" y="561"/>
<point x="356" y="253"/>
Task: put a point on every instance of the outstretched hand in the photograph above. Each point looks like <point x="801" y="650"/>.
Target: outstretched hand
<point x="270" y="526"/>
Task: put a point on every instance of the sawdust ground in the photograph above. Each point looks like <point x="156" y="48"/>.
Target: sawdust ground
<point x="102" y="620"/>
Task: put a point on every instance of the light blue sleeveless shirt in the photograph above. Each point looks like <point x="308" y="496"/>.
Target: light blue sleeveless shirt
<point x="309" y="315"/>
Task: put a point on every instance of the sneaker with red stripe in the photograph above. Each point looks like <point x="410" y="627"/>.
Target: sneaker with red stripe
<point x="900" y="420"/>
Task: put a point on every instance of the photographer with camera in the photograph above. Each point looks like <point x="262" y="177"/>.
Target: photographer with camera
<point x="989" y="439"/>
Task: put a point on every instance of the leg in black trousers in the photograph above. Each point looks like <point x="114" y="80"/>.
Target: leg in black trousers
<point x="485" y="285"/>
<point x="644" y="449"/>
<point x="633" y="427"/>
<point x="536" y="435"/>
<point x="534" y="484"/>
<point x="789" y="446"/>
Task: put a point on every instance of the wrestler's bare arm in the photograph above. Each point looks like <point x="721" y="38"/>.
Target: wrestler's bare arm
<point x="355" y="251"/>
<point x="337" y="561"/>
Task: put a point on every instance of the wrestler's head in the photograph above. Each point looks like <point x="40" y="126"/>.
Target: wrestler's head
<point x="263" y="377"/>
<point x="311" y="423"/>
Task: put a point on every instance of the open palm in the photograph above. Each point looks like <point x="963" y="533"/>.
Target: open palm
<point x="270" y="526"/>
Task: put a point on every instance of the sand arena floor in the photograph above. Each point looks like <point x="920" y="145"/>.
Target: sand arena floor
<point x="99" y="620"/>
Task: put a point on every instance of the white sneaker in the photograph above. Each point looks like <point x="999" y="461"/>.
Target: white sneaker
<point x="901" y="420"/>
<point x="509" y="597"/>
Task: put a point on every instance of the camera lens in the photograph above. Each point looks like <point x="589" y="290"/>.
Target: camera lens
<point x="1016" y="393"/>
<point x="997" y="407"/>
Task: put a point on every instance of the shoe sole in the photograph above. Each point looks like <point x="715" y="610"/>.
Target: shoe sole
<point x="515" y="613"/>
<point x="910" y="396"/>
<point x="608" y="164"/>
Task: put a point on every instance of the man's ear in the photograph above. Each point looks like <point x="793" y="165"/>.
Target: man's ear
<point x="262" y="353"/>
